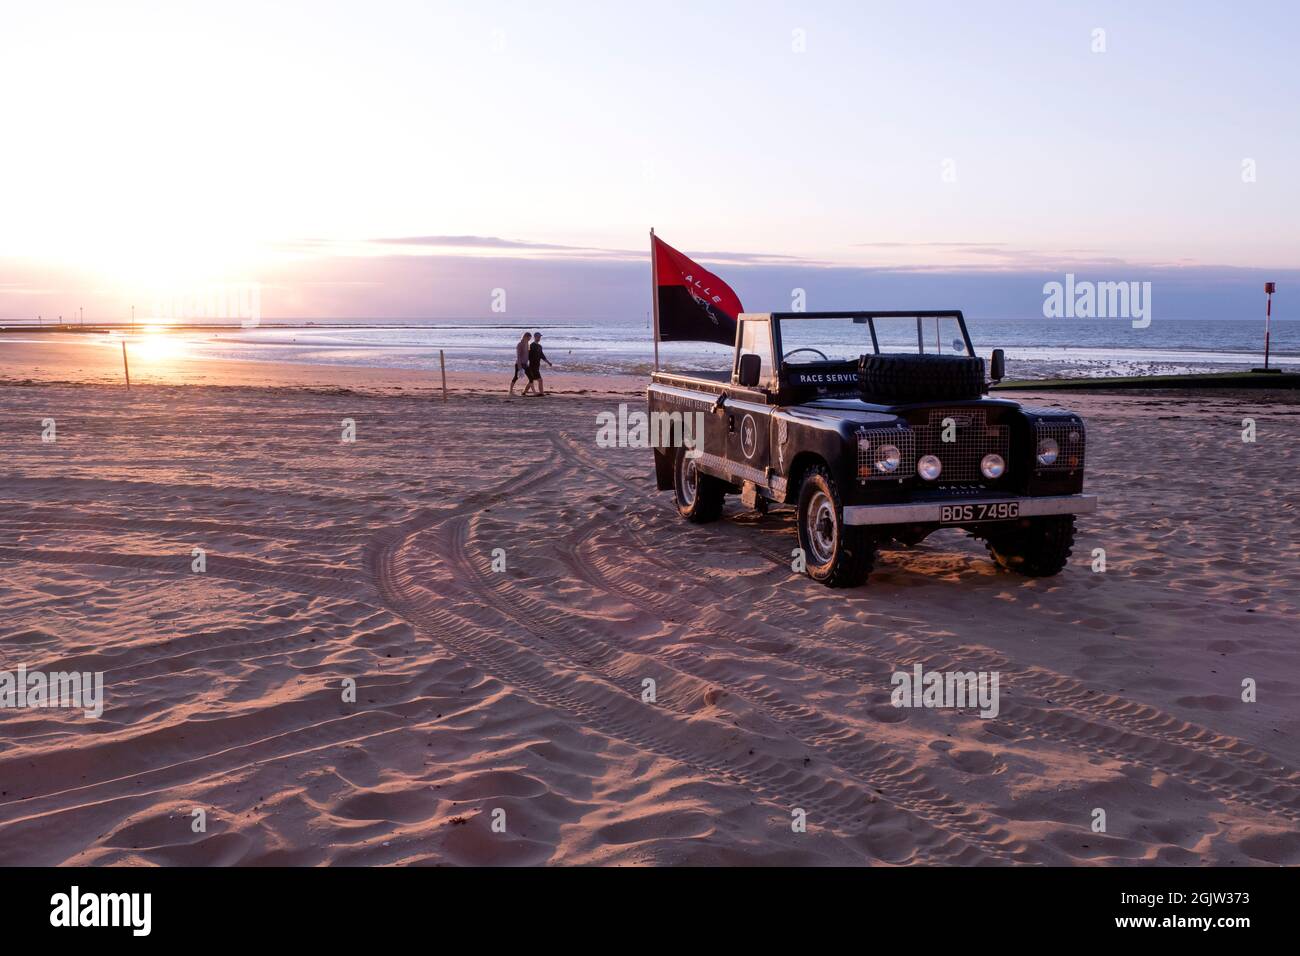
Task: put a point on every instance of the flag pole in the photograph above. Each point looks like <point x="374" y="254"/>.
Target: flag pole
<point x="654" y="291"/>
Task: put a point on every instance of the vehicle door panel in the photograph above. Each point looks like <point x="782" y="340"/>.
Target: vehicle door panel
<point x="748" y="439"/>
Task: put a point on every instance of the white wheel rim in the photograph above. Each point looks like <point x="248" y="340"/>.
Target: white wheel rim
<point x="822" y="527"/>
<point x="690" y="481"/>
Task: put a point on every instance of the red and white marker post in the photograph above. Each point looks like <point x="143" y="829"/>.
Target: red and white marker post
<point x="1269" y="289"/>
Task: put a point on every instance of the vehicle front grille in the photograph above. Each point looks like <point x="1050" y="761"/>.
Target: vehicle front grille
<point x="1070" y="437"/>
<point x="972" y="438"/>
<point x="870" y="439"/>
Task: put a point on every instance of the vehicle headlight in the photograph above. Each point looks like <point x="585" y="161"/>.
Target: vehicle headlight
<point x="992" y="466"/>
<point x="887" y="459"/>
<point x="929" y="467"/>
<point x="1048" y="449"/>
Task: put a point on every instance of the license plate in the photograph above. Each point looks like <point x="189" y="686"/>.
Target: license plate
<point x="979" y="511"/>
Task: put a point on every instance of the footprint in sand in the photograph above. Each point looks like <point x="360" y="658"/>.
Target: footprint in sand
<point x="976" y="761"/>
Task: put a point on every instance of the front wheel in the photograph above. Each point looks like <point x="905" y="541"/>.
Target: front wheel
<point x="836" y="554"/>
<point x="699" y="496"/>
<point x="1038" y="547"/>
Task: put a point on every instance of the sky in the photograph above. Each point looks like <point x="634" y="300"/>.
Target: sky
<point x="397" y="159"/>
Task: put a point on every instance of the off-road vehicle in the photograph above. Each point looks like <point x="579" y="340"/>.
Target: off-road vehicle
<point x="876" y="427"/>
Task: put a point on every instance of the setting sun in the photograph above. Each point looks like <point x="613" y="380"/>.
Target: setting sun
<point x="155" y="344"/>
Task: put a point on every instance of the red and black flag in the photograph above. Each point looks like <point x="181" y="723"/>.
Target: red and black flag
<point x="691" y="304"/>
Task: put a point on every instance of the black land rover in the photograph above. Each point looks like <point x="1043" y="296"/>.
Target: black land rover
<point x="877" y="427"/>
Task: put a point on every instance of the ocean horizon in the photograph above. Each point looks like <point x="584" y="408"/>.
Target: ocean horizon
<point x="1035" y="348"/>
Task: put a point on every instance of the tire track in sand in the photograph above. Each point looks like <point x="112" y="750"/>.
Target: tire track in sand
<point x="1202" y="771"/>
<point x="243" y="570"/>
<point x="1259" y="772"/>
<point x="709" y="747"/>
<point x="875" y="765"/>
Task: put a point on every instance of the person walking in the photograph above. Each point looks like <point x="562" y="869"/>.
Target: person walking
<point x="521" y="359"/>
<point x="534" y="371"/>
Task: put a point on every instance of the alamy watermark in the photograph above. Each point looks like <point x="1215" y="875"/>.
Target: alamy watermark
<point x="133" y="911"/>
<point x="1098" y="300"/>
<point x="222" y="300"/>
<point x="638" y="429"/>
<point x="82" y="690"/>
<point x="953" y="689"/>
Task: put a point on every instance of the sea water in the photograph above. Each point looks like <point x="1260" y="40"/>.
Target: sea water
<point x="1035" y="348"/>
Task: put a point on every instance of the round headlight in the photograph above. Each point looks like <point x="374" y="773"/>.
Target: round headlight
<point x="887" y="459"/>
<point x="1048" y="449"/>
<point x="929" y="467"/>
<point x="992" y="466"/>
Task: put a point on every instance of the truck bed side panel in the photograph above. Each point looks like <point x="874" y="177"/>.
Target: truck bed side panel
<point x="667" y="400"/>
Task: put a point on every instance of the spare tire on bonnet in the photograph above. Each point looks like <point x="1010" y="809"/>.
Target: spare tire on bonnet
<point x="920" y="378"/>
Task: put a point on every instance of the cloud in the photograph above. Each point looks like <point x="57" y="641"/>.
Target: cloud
<point x="1001" y="257"/>
<point x="473" y="242"/>
<point x="925" y="245"/>
<point x="753" y="258"/>
<point x="444" y="245"/>
<point x="455" y="281"/>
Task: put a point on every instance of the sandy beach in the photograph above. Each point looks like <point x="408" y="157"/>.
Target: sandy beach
<point x="514" y="694"/>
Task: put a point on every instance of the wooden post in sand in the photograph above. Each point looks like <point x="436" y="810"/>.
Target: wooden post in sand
<point x="442" y="361"/>
<point x="126" y="368"/>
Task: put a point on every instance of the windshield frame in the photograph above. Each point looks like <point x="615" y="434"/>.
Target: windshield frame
<point x="869" y="319"/>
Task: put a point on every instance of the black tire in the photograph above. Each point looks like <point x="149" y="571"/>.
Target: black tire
<point x="921" y="378"/>
<point x="835" y="554"/>
<point x="1037" y="547"/>
<point x="699" y="496"/>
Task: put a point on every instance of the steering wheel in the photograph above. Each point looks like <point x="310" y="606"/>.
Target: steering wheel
<point x="797" y="351"/>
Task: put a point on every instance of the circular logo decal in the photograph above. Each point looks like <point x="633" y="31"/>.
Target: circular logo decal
<point x="748" y="436"/>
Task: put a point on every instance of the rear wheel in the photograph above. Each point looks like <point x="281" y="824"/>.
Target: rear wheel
<point x="699" y="496"/>
<point x="1039" y="548"/>
<point x="836" y="554"/>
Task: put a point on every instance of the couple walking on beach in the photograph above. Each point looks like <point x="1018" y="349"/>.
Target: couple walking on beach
<point x="528" y="359"/>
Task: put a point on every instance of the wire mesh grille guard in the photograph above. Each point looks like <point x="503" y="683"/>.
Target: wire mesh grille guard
<point x="972" y="438"/>
<point x="872" y="439"/>
<point x="1070" y="438"/>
